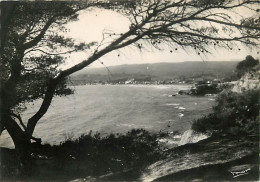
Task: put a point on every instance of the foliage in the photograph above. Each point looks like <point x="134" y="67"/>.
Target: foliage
<point x="246" y="65"/>
<point x="234" y="113"/>
<point x="24" y="36"/>
<point x="133" y="149"/>
<point x="94" y="155"/>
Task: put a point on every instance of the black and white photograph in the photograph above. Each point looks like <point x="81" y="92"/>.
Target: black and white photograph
<point x="129" y="90"/>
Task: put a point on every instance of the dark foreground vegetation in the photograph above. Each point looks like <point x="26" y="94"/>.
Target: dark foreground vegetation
<point x="89" y="155"/>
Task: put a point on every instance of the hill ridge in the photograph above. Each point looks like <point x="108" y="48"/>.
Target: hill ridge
<point x="160" y="71"/>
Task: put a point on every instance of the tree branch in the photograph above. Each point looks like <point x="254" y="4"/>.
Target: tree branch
<point x="38" y="38"/>
<point x="53" y="54"/>
<point x="37" y="140"/>
<point x="226" y="23"/>
<point x="20" y="120"/>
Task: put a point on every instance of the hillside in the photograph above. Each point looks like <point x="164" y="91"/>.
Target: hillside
<point x="159" y="71"/>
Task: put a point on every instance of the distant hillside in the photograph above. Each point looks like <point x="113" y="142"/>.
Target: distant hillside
<point x="159" y="71"/>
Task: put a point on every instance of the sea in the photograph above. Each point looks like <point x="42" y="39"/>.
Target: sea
<point x="115" y="109"/>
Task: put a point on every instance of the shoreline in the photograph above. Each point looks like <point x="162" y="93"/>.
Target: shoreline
<point x="148" y="85"/>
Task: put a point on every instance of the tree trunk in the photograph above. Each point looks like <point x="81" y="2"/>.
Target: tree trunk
<point x="8" y="99"/>
<point x="21" y="141"/>
<point x="22" y="148"/>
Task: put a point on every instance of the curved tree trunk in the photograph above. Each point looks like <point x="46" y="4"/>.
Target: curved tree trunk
<point x="20" y="138"/>
<point x="22" y="144"/>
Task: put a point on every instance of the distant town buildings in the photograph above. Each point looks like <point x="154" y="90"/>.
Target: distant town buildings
<point x="200" y="86"/>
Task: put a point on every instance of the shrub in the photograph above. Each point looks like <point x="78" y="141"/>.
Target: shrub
<point x="234" y="113"/>
<point x="246" y="65"/>
<point x="94" y="155"/>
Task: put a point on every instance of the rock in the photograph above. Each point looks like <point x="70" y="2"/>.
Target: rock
<point x="190" y="136"/>
<point x="209" y="159"/>
<point x="248" y="81"/>
<point x="184" y="92"/>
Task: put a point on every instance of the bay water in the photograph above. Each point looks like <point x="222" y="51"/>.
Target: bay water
<point x="115" y="109"/>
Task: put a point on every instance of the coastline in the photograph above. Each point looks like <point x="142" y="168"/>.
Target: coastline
<point x="140" y="85"/>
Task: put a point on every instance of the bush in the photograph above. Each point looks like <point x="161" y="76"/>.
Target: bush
<point x="234" y="113"/>
<point x="94" y="155"/>
<point x="246" y="65"/>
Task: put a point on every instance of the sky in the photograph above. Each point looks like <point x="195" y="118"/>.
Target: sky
<point x="93" y="22"/>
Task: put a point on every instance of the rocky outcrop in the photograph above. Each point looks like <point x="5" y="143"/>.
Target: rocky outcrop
<point x="191" y="136"/>
<point x="249" y="81"/>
